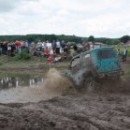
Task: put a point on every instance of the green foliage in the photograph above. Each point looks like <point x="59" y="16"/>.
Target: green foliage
<point x="125" y="39"/>
<point x="37" y="37"/>
<point x="121" y="47"/>
<point x="108" y="41"/>
<point x="24" y="55"/>
<point x="12" y="37"/>
<point x="91" y="39"/>
<point x="66" y="38"/>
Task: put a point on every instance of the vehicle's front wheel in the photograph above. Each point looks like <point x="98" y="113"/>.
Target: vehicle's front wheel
<point x="90" y="83"/>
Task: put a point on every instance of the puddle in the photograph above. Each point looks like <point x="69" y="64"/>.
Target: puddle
<point x="17" y="88"/>
<point x="8" y="82"/>
<point x="33" y="89"/>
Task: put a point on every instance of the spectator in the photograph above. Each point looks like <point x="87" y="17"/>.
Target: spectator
<point x="125" y="53"/>
<point x="50" y="59"/>
<point x="46" y="52"/>
<point x="58" y="47"/>
<point x="118" y="52"/>
<point x="57" y="58"/>
<point x="87" y="46"/>
<point x="62" y="44"/>
<point x="13" y="49"/>
<point x="8" y="49"/>
<point x="18" y="46"/>
<point x="54" y="45"/>
<point x="75" y="47"/>
<point x="0" y="49"/>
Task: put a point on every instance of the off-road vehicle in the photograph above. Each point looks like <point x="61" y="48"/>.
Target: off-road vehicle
<point x="90" y="67"/>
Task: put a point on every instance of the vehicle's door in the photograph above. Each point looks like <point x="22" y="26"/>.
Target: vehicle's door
<point x="75" y="64"/>
<point x="77" y="70"/>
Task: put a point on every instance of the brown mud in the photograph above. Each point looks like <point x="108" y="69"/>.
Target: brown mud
<point x="75" y="112"/>
<point x="61" y="107"/>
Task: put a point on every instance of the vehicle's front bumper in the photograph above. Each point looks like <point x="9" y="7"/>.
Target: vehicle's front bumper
<point x="111" y="74"/>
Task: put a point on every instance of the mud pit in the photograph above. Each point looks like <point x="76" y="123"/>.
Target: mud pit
<point x="54" y="85"/>
<point x="60" y="107"/>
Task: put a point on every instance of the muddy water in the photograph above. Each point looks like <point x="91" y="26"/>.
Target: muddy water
<point x="33" y="89"/>
<point x="7" y="82"/>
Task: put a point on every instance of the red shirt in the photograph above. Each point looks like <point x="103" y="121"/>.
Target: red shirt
<point x="18" y="44"/>
<point x="46" y="52"/>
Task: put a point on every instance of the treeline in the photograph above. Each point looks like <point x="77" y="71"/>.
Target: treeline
<point x="109" y="41"/>
<point x="66" y="38"/>
<point x="37" y="37"/>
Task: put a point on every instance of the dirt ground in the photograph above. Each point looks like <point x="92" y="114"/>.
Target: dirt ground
<point x="106" y="109"/>
<point x="74" y="112"/>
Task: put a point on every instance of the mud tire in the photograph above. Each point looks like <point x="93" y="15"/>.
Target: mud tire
<point x="90" y="83"/>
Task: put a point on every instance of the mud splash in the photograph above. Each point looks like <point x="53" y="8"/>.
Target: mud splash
<point x="55" y="85"/>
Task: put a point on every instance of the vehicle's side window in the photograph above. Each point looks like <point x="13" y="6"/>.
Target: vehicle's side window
<point x="87" y="56"/>
<point x="87" y="59"/>
<point x="75" y="63"/>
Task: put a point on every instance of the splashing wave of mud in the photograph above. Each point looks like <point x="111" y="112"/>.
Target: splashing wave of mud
<point x="55" y="82"/>
<point x="55" y="85"/>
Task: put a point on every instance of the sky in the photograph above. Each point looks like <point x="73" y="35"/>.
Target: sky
<point x="100" y="18"/>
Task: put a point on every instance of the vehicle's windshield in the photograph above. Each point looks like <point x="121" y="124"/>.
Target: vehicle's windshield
<point x="105" y="54"/>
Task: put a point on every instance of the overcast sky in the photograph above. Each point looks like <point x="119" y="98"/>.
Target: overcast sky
<point x="100" y="18"/>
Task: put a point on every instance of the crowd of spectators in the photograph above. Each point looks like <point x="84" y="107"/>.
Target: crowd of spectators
<point x="11" y="48"/>
<point x="53" y="51"/>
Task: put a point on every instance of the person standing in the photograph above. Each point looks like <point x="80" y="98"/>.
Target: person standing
<point x="58" y="47"/>
<point x="125" y="53"/>
<point x="0" y="48"/>
<point x="9" y="49"/>
<point x="118" y="52"/>
<point x="18" y="46"/>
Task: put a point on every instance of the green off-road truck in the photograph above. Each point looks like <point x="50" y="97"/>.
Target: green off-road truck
<point x="90" y="67"/>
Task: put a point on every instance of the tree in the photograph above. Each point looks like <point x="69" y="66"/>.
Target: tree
<point x="125" y="39"/>
<point x="91" y="39"/>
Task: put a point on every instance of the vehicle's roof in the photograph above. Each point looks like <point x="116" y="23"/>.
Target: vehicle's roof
<point x="102" y="48"/>
<point x="85" y="52"/>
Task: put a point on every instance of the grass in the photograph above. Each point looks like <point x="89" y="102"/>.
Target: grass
<point x="7" y="60"/>
<point x="35" y="65"/>
<point x="121" y="47"/>
<point x="20" y="68"/>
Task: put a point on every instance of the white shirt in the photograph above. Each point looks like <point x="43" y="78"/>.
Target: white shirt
<point x="57" y="44"/>
<point x="49" y="46"/>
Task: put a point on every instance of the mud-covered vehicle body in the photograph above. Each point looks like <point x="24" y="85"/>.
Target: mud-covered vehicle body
<point x="91" y="66"/>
